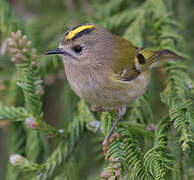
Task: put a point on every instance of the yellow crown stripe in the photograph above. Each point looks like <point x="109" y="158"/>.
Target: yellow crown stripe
<point x="72" y="33"/>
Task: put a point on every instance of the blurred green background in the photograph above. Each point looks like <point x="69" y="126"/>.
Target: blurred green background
<point x="45" y="21"/>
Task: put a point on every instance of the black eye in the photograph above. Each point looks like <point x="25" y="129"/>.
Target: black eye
<point x="77" y="49"/>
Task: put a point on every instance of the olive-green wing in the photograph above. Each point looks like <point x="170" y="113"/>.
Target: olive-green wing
<point x="123" y="64"/>
<point x="130" y="60"/>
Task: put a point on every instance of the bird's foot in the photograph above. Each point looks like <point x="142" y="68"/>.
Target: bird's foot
<point x="106" y="142"/>
<point x="98" y="109"/>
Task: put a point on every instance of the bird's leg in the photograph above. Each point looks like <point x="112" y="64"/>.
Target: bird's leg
<point x="121" y="112"/>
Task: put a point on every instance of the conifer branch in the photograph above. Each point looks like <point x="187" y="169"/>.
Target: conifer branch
<point x="179" y="84"/>
<point x="48" y="170"/>
<point x="25" y="58"/>
<point x="133" y="159"/>
<point x="141" y="111"/>
<point x="23" y="163"/>
<point x="85" y="114"/>
<point x="115" y="152"/>
<point x="157" y="160"/>
<point x="12" y="113"/>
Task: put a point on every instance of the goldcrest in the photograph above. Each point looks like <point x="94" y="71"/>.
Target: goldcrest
<point x="105" y="69"/>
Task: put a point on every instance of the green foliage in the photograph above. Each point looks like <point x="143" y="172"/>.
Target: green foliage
<point x="8" y="20"/>
<point x="133" y="156"/>
<point x="158" y="159"/>
<point x="141" y="110"/>
<point x="12" y="113"/>
<point x="144" y="145"/>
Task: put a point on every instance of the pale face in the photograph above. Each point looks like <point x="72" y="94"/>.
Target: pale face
<point x="75" y="52"/>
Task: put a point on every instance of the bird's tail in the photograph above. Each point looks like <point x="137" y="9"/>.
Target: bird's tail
<point x="146" y="58"/>
<point x="166" y="54"/>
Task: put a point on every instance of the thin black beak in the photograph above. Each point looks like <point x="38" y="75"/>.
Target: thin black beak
<point x="55" y="51"/>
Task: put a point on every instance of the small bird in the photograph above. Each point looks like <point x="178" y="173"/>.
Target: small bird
<point x="105" y="69"/>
